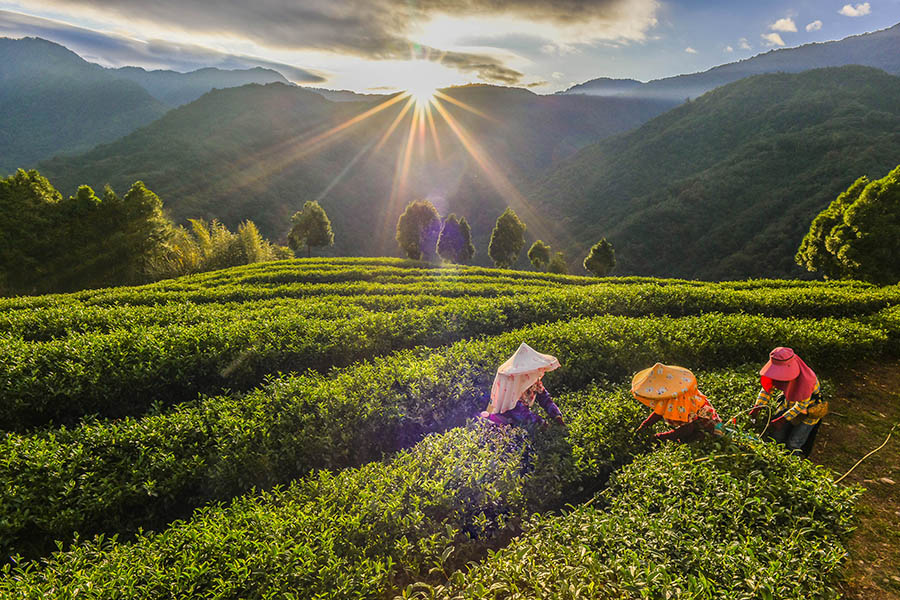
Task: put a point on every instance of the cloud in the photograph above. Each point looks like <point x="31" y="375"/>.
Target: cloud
<point x="371" y="29"/>
<point x="690" y="50"/>
<point x="729" y="49"/>
<point x="814" y="26"/>
<point x="772" y="39"/>
<point x="743" y="44"/>
<point x="855" y="11"/>
<point x="558" y="75"/>
<point x="784" y="25"/>
<point x="116" y="51"/>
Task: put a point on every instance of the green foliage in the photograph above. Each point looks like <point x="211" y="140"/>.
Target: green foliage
<point x="728" y="184"/>
<point x="601" y="259"/>
<point x="858" y="235"/>
<point x="507" y="239"/>
<point x="539" y="254"/>
<point x="311" y="228"/>
<point x="455" y="243"/>
<point x="747" y="522"/>
<point x="418" y="229"/>
<point x="558" y="264"/>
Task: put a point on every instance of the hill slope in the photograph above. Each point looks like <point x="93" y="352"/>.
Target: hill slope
<point x="253" y="153"/>
<point x="53" y="101"/>
<point x="877" y="49"/>
<point x="727" y="185"/>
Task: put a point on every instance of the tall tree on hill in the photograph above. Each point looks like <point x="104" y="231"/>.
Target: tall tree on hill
<point x="558" y="264"/>
<point x="311" y="228"/>
<point x="601" y="259"/>
<point x="858" y="235"/>
<point x="455" y="242"/>
<point x="418" y="229"/>
<point x="507" y="239"/>
<point x="27" y="240"/>
<point x="539" y="254"/>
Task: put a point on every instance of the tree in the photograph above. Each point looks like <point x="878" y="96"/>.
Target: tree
<point x="468" y="248"/>
<point x="418" y="229"/>
<point x="601" y="259"/>
<point x="558" y="264"/>
<point x="539" y="254"/>
<point x="311" y="228"/>
<point x="507" y="239"/>
<point x="455" y="242"/>
<point x="858" y="235"/>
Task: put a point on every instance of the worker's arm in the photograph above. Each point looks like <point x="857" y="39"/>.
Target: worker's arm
<point x="650" y="421"/>
<point x="543" y="398"/>
<point x="799" y="408"/>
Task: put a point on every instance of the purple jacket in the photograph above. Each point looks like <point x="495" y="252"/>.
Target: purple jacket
<point x="522" y="415"/>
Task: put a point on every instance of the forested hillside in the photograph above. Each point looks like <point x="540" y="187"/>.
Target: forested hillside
<point x="52" y="101"/>
<point x="259" y="152"/>
<point x="877" y="49"/>
<point x="726" y="186"/>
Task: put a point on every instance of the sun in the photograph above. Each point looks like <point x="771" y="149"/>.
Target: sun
<point x="422" y="93"/>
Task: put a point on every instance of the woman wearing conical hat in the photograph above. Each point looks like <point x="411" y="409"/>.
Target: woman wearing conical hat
<point x="671" y="392"/>
<point x="801" y="406"/>
<point x="518" y="387"/>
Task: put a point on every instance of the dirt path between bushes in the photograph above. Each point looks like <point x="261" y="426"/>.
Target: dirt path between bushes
<point x="864" y="408"/>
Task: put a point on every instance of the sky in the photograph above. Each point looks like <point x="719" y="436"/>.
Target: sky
<point x="388" y="45"/>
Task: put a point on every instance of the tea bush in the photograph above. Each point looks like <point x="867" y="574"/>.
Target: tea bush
<point x="716" y="520"/>
<point x="117" y="476"/>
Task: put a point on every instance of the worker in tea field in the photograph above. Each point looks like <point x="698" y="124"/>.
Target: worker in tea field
<point x="673" y="395"/>
<point x="797" y="416"/>
<point x="518" y="386"/>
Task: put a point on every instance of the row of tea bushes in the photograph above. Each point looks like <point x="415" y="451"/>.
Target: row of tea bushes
<point x="117" y="476"/>
<point x="747" y="522"/>
<point x="125" y="372"/>
<point x="361" y="533"/>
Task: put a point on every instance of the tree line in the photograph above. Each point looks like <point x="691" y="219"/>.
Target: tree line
<point x="422" y="235"/>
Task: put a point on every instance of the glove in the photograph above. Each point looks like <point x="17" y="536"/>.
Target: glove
<point x="559" y="420"/>
<point x="755" y="410"/>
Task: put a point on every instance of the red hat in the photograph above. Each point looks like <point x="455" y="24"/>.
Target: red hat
<point x="783" y="365"/>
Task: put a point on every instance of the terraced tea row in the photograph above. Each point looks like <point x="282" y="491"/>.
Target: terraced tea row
<point x="708" y="521"/>
<point x="362" y="533"/>
<point x="115" y="477"/>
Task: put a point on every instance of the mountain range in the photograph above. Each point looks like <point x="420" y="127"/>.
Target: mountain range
<point x="52" y="101"/>
<point x="720" y="186"/>
<point x="879" y="49"/>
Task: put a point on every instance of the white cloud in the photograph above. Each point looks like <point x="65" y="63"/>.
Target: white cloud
<point x="690" y="50"/>
<point x="743" y="44"/>
<point x="814" y="26"/>
<point x="856" y="11"/>
<point x="786" y="25"/>
<point x="558" y="75"/>
<point x="729" y="49"/>
<point x="772" y="39"/>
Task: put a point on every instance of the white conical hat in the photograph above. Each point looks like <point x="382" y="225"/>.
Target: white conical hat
<point x="516" y="375"/>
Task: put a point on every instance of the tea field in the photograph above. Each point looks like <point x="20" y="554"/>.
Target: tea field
<point x="303" y="429"/>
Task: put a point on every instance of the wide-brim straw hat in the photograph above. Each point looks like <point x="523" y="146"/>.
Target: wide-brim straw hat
<point x="670" y="391"/>
<point x="782" y="366"/>
<point x="517" y="374"/>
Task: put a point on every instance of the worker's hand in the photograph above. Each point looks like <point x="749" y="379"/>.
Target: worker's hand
<point x="778" y="423"/>
<point x="755" y="410"/>
<point x="559" y="420"/>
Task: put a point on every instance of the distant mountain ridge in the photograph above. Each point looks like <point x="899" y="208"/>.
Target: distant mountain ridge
<point x="52" y="101"/>
<point x="879" y="49"/>
<point x="726" y="186"/>
<point x="175" y="89"/>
